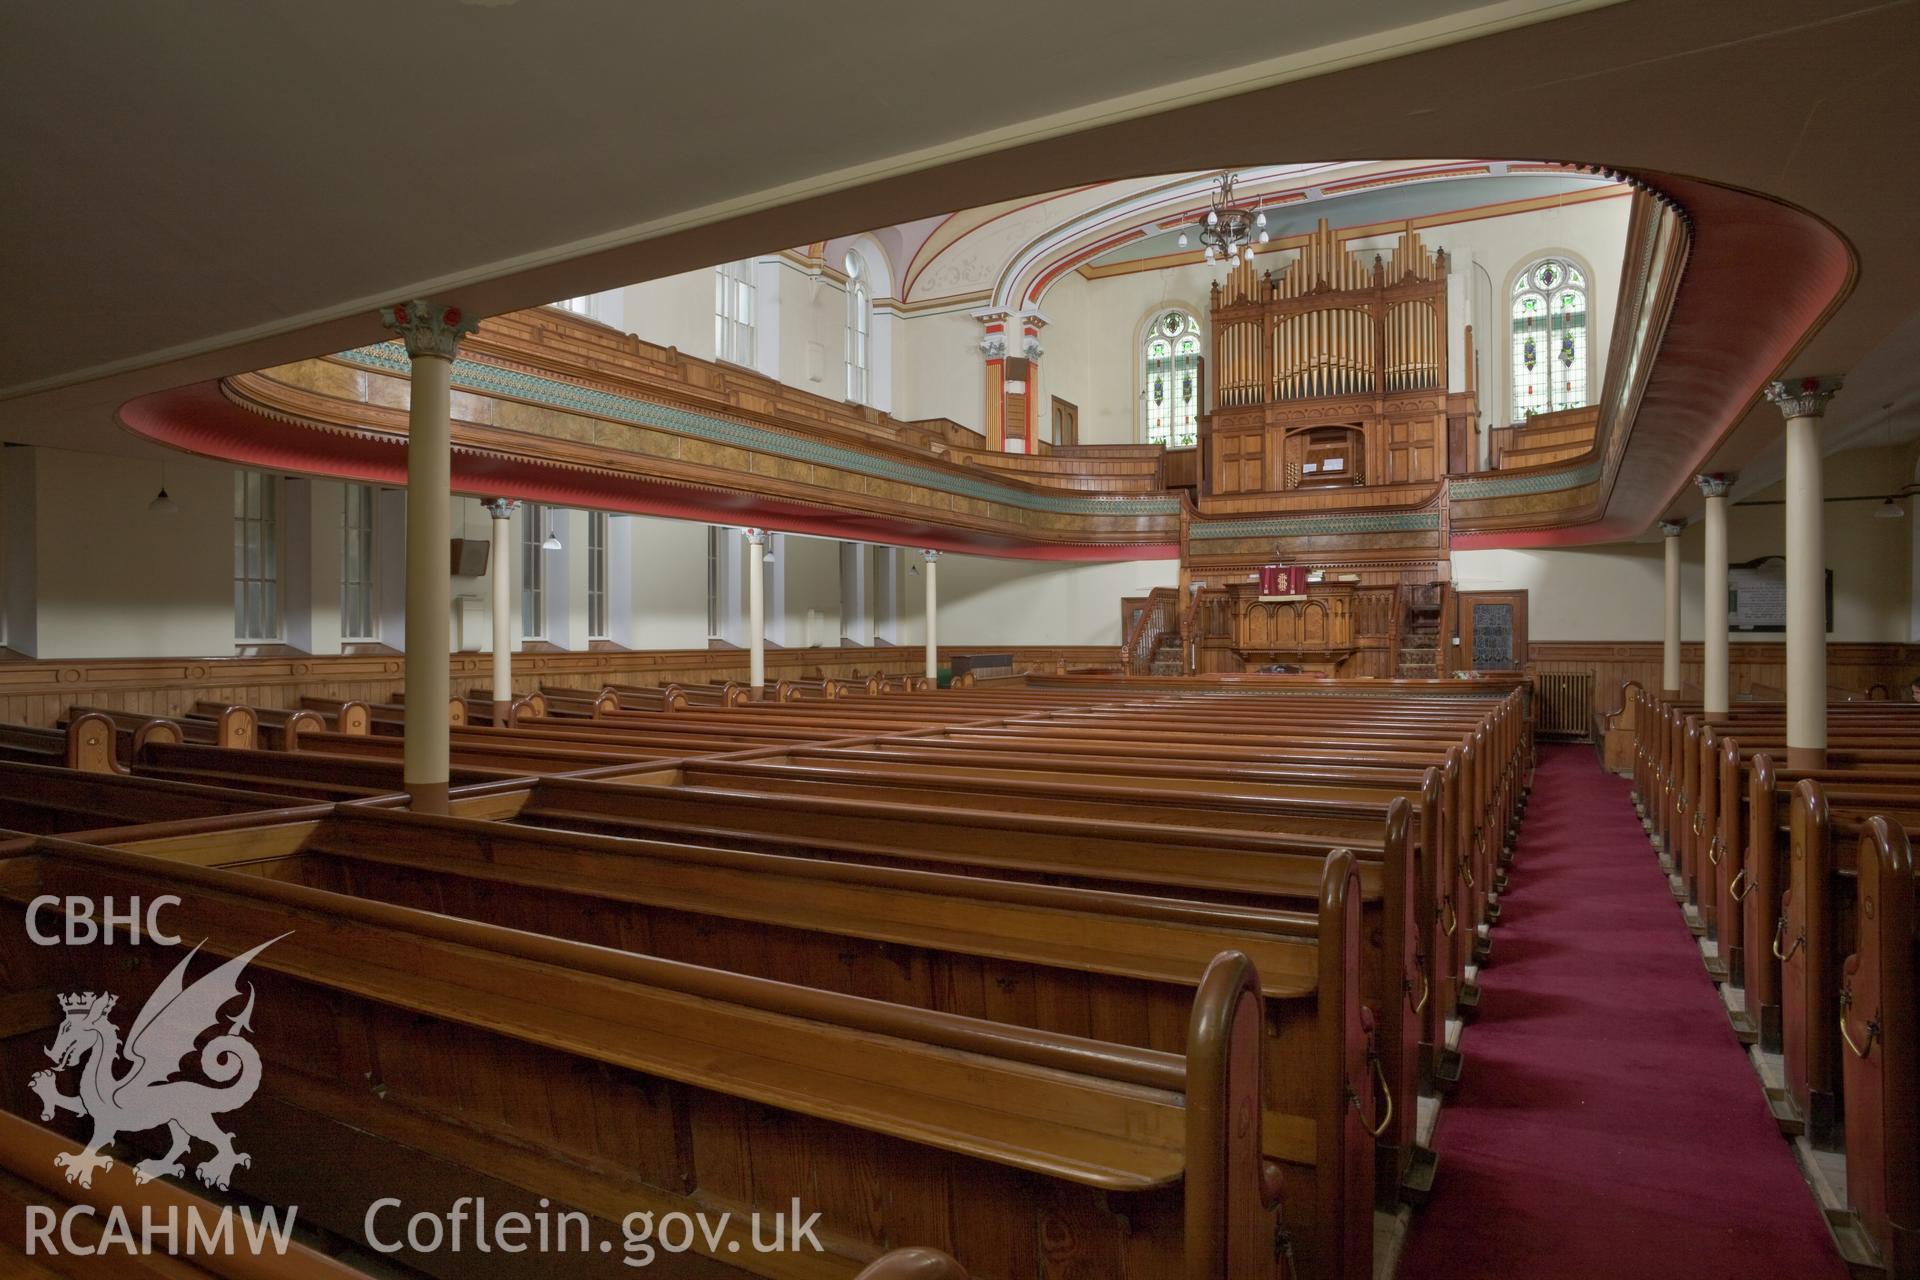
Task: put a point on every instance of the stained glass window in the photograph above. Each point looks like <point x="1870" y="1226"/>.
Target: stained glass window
<point x="1550" y="339"/>
<point x="1172" y="375"/>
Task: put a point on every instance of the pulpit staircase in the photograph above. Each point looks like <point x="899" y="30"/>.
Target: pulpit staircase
<point x="1423" y="609"/>
<point x="1154" y="643"/>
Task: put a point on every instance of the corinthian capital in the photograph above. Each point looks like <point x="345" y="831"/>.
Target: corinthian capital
<point x="1672" y="528"/>
<point x="428" y="328"/>
<point x="1715" y="485"/>
<point x="1803" y="397"/>
<point x="929" y="555"/>
<point x="500" y="508"/>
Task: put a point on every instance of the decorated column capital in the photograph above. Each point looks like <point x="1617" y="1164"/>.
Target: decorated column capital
<point x="1672" y="528"/>
<point x="428" y="328"/>
<point x="500" y="508"/>
<point x="755" y="537"/>
<point x="1803" y="397"/>
<point x="929" y="554"/>
<point x="994" y="325"/>
<point x="1717" y="484"/>
<point x="1031" y="323"/>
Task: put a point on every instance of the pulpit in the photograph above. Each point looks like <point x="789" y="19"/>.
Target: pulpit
<point x="1314" y="630"/>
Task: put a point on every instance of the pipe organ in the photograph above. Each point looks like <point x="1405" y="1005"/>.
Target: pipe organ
<point x="1331" y="371"/>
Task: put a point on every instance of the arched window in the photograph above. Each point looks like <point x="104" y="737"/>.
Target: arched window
<point x="1550" y="339"/>
<point x="1171" y="358"/>
<point x="859" y="328"/>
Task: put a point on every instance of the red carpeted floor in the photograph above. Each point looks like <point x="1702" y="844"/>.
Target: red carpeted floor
<point x="1608" y="1124"/>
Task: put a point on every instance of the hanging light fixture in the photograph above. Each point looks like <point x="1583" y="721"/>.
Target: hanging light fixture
<point x="162" y="501"/>
<point x="552" y="542"/>
<point x="1229" y="230"/>
<point x="1891" y="508"/>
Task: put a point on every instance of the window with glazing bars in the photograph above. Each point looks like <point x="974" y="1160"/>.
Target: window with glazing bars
<point x="256" y="557"/>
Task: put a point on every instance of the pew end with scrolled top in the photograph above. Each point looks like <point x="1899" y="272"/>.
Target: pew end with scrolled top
<point x="1232" y="1198"/>
<point x="913" y="1264"/>
<point x="1880" y="1026"/>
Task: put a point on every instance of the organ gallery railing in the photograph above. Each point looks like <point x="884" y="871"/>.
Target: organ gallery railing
<point x="1330" y="371"/>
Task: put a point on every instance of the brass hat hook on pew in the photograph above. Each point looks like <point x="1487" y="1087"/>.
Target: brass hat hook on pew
<point x="1846" y="1033"/>
<point x="1779" y="930"/>
<point x="1379" y="1076"/>
<point x="1733" y="887"/>
<point x="1426" y="983"/>
<point x="1386" y="1092"/>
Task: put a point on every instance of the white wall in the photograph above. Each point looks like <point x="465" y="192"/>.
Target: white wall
<point x="1616" y="591"/>
<point x="938" y="369"/>
<point x="669" y="584"/>
<point x="113" y="579"/>
<point x="986" y="601"/>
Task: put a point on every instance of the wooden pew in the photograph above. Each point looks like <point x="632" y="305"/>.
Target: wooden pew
<point x="985" y="1133"/>
<point x="1266" y="868"/>
<point x="1717" y="844"/>
<point x="1818" y="921"/>
<point x="280" y="728"/>
<point x="1880" y="1029"/>
<point x="343" y="715"/>
<point x="1441" y="951"/>
<point x="48" y="800"/>
<point x="309" y="775"/>
<point x="88" y="743"/>
<point x="1122" y="967"/>
<point x="233" y="726"/>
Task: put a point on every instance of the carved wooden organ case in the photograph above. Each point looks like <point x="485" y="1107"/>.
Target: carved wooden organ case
<point x="1331" y="373"/>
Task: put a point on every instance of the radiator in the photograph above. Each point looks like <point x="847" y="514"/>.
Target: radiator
<point x="1563" y="704"/>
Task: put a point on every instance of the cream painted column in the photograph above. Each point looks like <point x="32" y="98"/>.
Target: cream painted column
<point x="500" y="570"/>
<point x="1713" y="677"/>
<point x="757" y="610"/>
<point x="1670" y="649"/>
<point x="432" y="333"/>
<point x="1804" y="403"/>
<point x="933" y="605"/>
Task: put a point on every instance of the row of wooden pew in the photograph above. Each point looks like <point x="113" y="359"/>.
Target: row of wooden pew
<point x="1800" y="882"/>
<point x="1107" y="984"/>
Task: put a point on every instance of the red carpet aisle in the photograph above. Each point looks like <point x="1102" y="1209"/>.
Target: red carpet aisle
<point x="1608" y="1124"/>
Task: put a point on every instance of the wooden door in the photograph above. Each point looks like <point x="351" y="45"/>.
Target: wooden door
<point x="1493" y="631"/>
<point x="1066" y="423"/>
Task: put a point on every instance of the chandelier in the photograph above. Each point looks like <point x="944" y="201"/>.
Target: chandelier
<point x="1229" y="231"/>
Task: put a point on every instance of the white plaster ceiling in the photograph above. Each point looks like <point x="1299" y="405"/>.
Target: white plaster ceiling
<point x="185" y="176"/>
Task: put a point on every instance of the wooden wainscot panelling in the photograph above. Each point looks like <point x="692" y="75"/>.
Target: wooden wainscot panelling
<point x="1753" y="667"/>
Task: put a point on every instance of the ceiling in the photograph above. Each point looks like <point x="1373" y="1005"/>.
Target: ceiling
<point x="199" y="190"/>
<point x="1411" y="199"/>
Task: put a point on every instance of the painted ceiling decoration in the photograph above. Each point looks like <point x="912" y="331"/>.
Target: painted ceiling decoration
<point x="1006" y="256"/>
